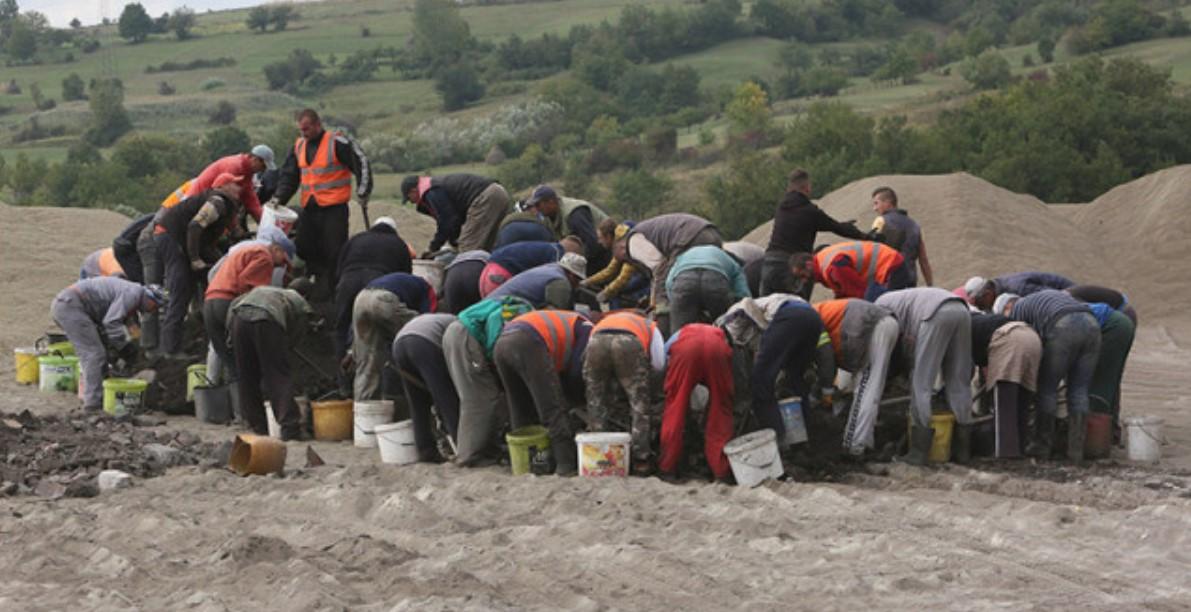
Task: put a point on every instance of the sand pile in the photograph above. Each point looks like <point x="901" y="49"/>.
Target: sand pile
<point x="1143" y="226"/>
<point x="973" y="227"/>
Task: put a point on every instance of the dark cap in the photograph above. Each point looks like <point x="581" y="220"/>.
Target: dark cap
<point x="541" y="194"/>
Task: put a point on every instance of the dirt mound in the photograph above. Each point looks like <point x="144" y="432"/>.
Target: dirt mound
<point x="1150" y="212"/>
<point x="974" y="227"/>
<point x="43" y="249"/>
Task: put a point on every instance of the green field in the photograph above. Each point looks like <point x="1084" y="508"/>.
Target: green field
<point x="390" y="105"/>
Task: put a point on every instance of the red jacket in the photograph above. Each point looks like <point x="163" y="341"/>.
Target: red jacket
<point x="237" y="165"/>
<point x="249" y="267"/>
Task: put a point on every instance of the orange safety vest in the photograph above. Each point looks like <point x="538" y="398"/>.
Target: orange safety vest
<point x="178" y="195"/>
<point x="630" y="322"/>
<point x="329" y="181"/>
<point x="108" y="266"/>
<point x="832" y="313"/>
<point x="557" y="330"/>
<point x="872" y="260"/>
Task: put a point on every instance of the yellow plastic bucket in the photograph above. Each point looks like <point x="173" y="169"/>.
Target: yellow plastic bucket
<point x="940" y="449"/>
<point x="332" y="420"/>
<point x="26" y="359"/>
<point x="196" y="376"/>
<point x="123" y="396"/>
<point x="529" y="450"/>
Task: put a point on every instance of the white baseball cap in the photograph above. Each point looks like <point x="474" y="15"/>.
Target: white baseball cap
<point x="265" y="152"/>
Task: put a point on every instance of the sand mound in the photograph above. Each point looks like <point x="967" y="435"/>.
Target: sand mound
<point x="1150" y="212"/>
<point x="974" y="227"/>
<point x="42" y="250"/>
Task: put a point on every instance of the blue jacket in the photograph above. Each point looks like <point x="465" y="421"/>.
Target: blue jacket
<point x="414" y="291"/>
<point x="521" y="256"/>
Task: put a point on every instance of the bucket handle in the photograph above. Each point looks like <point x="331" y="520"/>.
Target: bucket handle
<point x="1160" y="440"/>
<point x="326" y="395"/>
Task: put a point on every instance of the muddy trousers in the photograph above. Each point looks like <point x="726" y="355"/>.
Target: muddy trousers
<point x="484" y="214"/>
<point x="788" y="344"/>
<point x="1070" y="350"/>
<point x="427" y="383"/>
<point x="481" y="402"/>
<point x="944" y="344"/>
<point x="1012" y="403"/>
<point x="261" y="351"/>
<point x="527" y="372"/>
<point x="215" y="320"/>
<point x="180" y="281"/>
<point x="322" y="232"/>
<point x="657" y="284"/>
<point x="701" y="355"/>
<point x="83" y="334"/>
<point x="146" y="248"/>
<point x="870" y="385"/>
<point x="698" y="296"/>
<point x="350" y="285"/>
<point x="1116" y="340"/>
<point x="615" y="366"/>
<point x="378" y="316"/>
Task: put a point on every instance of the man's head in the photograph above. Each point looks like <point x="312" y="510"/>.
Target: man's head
<point x="229" y="184"/>
<point x="388" y="222"/>
<point x="1004" y="303"/>
<point x="546" y="199"/>
<point x="800" y="181"/>
<point x="280" y="257"/>
<point x="884" y="200"/>
<point x="606" y="232"/>
<point x="572" y="244"/>
<point x="309" y="124"/>
<point x="409" y="188"/>
<point x="984" y="296"/>
<point x="802" y="266"/>
<point x="575" y="266"/>
<point x="262" y="158"/>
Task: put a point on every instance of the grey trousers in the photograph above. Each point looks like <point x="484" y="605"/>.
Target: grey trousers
<point x="534" y="391"/>
<point x="944" y="344"/>
<point x="1070" y="351"/>
<point x="481" y="402"/>
<point x="870" y="385"/>
<point x="83" y="333"/>
<point x="706" y="236"/>
<point x="699" y="296"/>
<point x="484" y="215"/>
<point x="152" y="272"/>
<point x="377" y="316"/>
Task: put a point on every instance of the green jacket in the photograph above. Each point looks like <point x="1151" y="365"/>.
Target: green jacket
<point x="285" y="307"/>
<point x="569" y="205"/>
<point x="485" y="319"/>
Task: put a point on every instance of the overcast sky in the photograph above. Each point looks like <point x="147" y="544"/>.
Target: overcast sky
<point x="61" y="12"/>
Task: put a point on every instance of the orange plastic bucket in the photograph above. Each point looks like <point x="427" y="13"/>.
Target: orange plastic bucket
<point x="1098" y="442"/>
<point x="332" y="420"/>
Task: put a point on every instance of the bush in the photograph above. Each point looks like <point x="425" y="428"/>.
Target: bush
<point x="744" y="196"/>
<point x="109" y="119"/>
<point x="637" y="192"/>
<point x="89" y="45"/>
<point x="458" y="84"/>
<point x="198" y="64"/>
<point x="224" y="141"/>
<point x="224" y="114"/>
<point x="534" y="167"/>
<point x="988" y="71"/>
<point x="73" y="88"/>
<point x="211" y="83"/>
<point x="661" y="143"/>
<point x="165" y="89"/>
<point x="622" y="153"/>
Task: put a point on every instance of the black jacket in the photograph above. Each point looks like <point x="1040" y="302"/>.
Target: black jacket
<point x="379" y="249"/>
<point x="346" y="150"/>
<point x="798" y="220"/>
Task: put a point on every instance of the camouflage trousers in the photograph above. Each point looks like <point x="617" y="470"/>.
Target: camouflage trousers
<point x="616" y="367"/>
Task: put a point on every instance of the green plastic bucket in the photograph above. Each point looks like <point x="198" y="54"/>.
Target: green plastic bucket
<point x="65" y="349"/>
<point x="529" y="451"/>
<point x="196" y="376"/>
<point x="123" y="396"/>
<point x="56" y="373"/>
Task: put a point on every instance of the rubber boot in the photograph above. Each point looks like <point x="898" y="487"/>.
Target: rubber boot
<point x="920" y="443"/>
<point x="1077" y="433"/>
<point x="1044" y="436"/>
<point x="566" y="455"/>
<point x="961" y="444"/>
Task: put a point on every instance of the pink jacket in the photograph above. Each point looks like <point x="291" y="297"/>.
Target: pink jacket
<point x="238" y="165"/>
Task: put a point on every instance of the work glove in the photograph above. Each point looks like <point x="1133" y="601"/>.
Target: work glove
<point x="273" y="203"/>
<point x="198" y="265"/>
<point x="427" y="255"/>
<point x="603" y="297"/>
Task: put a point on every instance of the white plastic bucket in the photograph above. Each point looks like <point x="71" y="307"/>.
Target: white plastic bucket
<point x="396" y="442"/>
<point x="603" y="453"/>
<point x="430" y="270"/>
<point x="282" y="218"/>
<point x="274" y="426"/>
<point x="754" y="457"/>
<point x="368" y="415"/>
<point x="791" y="412"/>
<point x="1144" y="437"/>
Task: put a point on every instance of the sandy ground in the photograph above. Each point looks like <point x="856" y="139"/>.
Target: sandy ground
<point x="357" y="534"/>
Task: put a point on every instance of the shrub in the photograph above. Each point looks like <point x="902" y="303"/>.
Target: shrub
<point x="211" y="83"/>
<point x="458" y="84"/>
<point x="224" y="141"/>
<point x="637" y="192"/>
<point x="198" y="64"/>
<point x="73" y="88"/>
<point x="224" y="114"/>
<point x="165" y="89"/>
